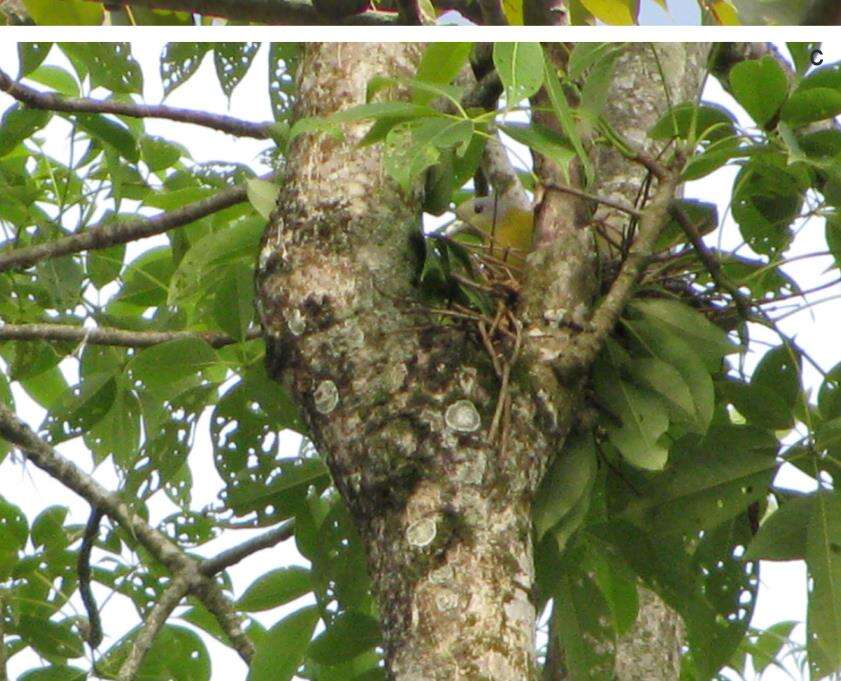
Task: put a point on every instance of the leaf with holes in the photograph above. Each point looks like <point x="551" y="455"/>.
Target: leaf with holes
<point x="109" y="65"/>
<point x="582" y="620"/>
<point x="711" y="479"/>
<point x="179" y="61"/>
<point x="232" y="61"/>
<point x="81" y="407"/>
<point x="283" y="61"/>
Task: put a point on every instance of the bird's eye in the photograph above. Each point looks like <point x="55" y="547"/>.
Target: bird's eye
<point x="479" y="208"/>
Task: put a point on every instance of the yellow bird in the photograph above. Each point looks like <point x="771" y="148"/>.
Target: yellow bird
<point x="507" y="227"/>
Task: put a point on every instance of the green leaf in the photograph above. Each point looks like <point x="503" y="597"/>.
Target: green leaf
<point x="616" y="12"/>
<point x="823" y="557"/>
<point x="276" y="588"/>
<point x="710" y="342"/>
<point x="48" y="528"/>
<point x="111" y="132"/>
<point x="180" y="61"/>
<point x="14" y="528"/>
<point x="350" y="634"/>
<point x="636" y="420"/>
<point x="263" y="195"/>
<point x="568" y="477"/>
<point x="783" y="535"/>
<point x="695" y="122"/>
<point x="30" y="56"/>
<point x="520" y="68"/>
<point x="232" y="61"/>
<point x="57" y="78"/>
<point x="104" y="264"/>
<point x="827" y="76"/>
<point x="281" y="652"/>
<point x="64" y="13"/>
<point x="440" y="63"/>
<point x="665" y="380"/>
<point x="51" y="639"/>
<point x="760" y="86"/>
<point x="146" y="278"/>
<point x="165" y="368"/>
<point x="117" y="433"/>
<point x="544" y="141"/>
<point x="813" y="104"/>
<point x="563" y="111"/>
<point x="19" y="124"/>
<point x="582" y="619"/>
<point x="176" y="654"/>
<point x="710" y="480"/>
<point x="233" y="304"/>
<point x="110" y="65"/>
<point x="81" y="407"/>
<point x="158" y="153"/>
<point x="54" y="673"/>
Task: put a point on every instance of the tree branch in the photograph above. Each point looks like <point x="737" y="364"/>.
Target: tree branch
<point x="587" y="345"/>
<point x="285" y="12"/>
<point x="234" y="555"/>
<point x="83" y="570"/>
<point x="711" y="263"/>
<point x="52" y="101"/>
<point x="169" y="600"/>
<point x="159" y="545"/>
<point x="115" y="337"/>
<point x="121" y="232"/>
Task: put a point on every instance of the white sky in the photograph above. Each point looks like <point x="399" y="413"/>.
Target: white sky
<point x="782" y="595"/>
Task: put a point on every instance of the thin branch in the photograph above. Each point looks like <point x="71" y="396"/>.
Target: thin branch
<point x="234" y="555"/>
<point x="285" y="12"/>
<point x="83" y="570"/>
<point x="105" y="235"/>
<point x="114" y="337"/>
<point x="711" y="263"/>
<point x="587" y="345"/>
<point x="159" y="545"/>
<point x="612" y="203"/>
<point x="169" y="600"/>
<point x="51" y="101"/>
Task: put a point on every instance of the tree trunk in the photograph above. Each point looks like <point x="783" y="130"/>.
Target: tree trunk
<point x="402" y="404"/>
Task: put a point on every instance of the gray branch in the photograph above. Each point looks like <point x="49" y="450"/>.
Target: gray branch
<point x="50" y="101"/>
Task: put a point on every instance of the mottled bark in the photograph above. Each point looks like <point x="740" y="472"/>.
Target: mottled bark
<point x="637" y="99"/>
<point x="400" y="403"/>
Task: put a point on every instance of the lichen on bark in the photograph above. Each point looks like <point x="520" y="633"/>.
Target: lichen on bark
<point x="399" y="403"/>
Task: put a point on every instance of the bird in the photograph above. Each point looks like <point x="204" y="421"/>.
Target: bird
<point x="505" y="225"/>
